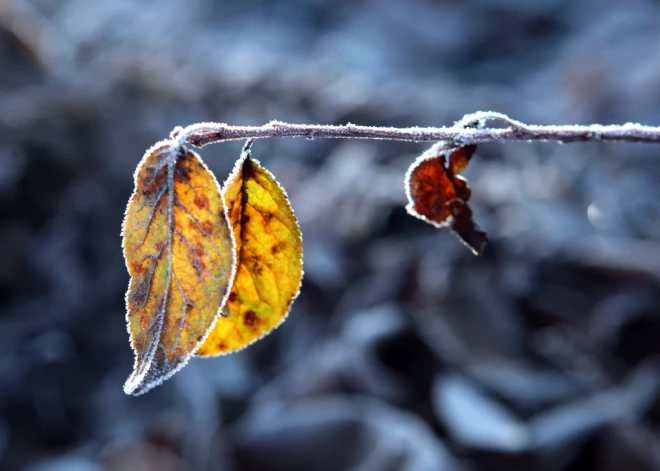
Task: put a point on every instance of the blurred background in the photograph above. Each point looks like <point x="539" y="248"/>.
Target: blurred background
<point x="403" y="351"/>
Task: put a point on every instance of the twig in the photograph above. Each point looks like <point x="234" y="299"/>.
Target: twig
<point x="469" y="130"/>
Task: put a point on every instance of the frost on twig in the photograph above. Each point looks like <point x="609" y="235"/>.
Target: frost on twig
<point x="436" y="193"/>
<point x="471" y="129"/>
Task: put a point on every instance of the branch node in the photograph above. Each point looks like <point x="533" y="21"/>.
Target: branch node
<point x="176" y="132"/>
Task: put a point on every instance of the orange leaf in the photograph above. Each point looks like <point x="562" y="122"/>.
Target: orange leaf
<point x="460" y="158"/>
<point x="180" y="254"/>
<point x="269" y="264"/>
<point x="440" y="197"/>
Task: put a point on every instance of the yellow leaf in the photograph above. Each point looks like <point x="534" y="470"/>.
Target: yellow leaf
<point x="269" y="263"/>
<point x="180" y="254"/>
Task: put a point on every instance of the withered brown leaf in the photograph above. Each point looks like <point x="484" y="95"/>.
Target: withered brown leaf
<point x="437" y="195"/>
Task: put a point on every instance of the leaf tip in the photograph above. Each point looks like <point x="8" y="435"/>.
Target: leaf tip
<point x="138" y="384"/>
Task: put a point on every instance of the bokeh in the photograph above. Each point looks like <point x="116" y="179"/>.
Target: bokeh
<point x="403" y="351"/>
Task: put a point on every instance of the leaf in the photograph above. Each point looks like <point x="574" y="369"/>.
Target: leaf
<point x="460" y="158"/>
<point x="180" y="254"/>
<point x="269" y="264"/>
<point x="440" y="197"/>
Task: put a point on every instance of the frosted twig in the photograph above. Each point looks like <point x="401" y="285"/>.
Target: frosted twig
<point x="472" y="129"/>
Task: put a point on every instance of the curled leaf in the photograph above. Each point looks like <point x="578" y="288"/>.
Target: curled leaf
<point x="460" y="158"/>
<point x="269" y="263"/>
<point x="437" y="195"/>
<point x="180" y="254"/>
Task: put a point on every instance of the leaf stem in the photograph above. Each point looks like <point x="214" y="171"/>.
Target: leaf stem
<point x="472" y="129"/>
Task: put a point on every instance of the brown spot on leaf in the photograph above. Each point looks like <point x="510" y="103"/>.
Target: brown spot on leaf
<point x="199" y="250"/>
<point x="278" y="247"/>
<point x="256" y="264"/>
<point x="208" y="227"/>
<point x="201" y="201"/>
<point x="181" y="349"/>
<point x="250" y="318"/>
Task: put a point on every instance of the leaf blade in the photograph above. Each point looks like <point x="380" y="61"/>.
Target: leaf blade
<point x="179" y="252"/>
<point x="269" y="263"/>
<point x="439" y="197"/>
